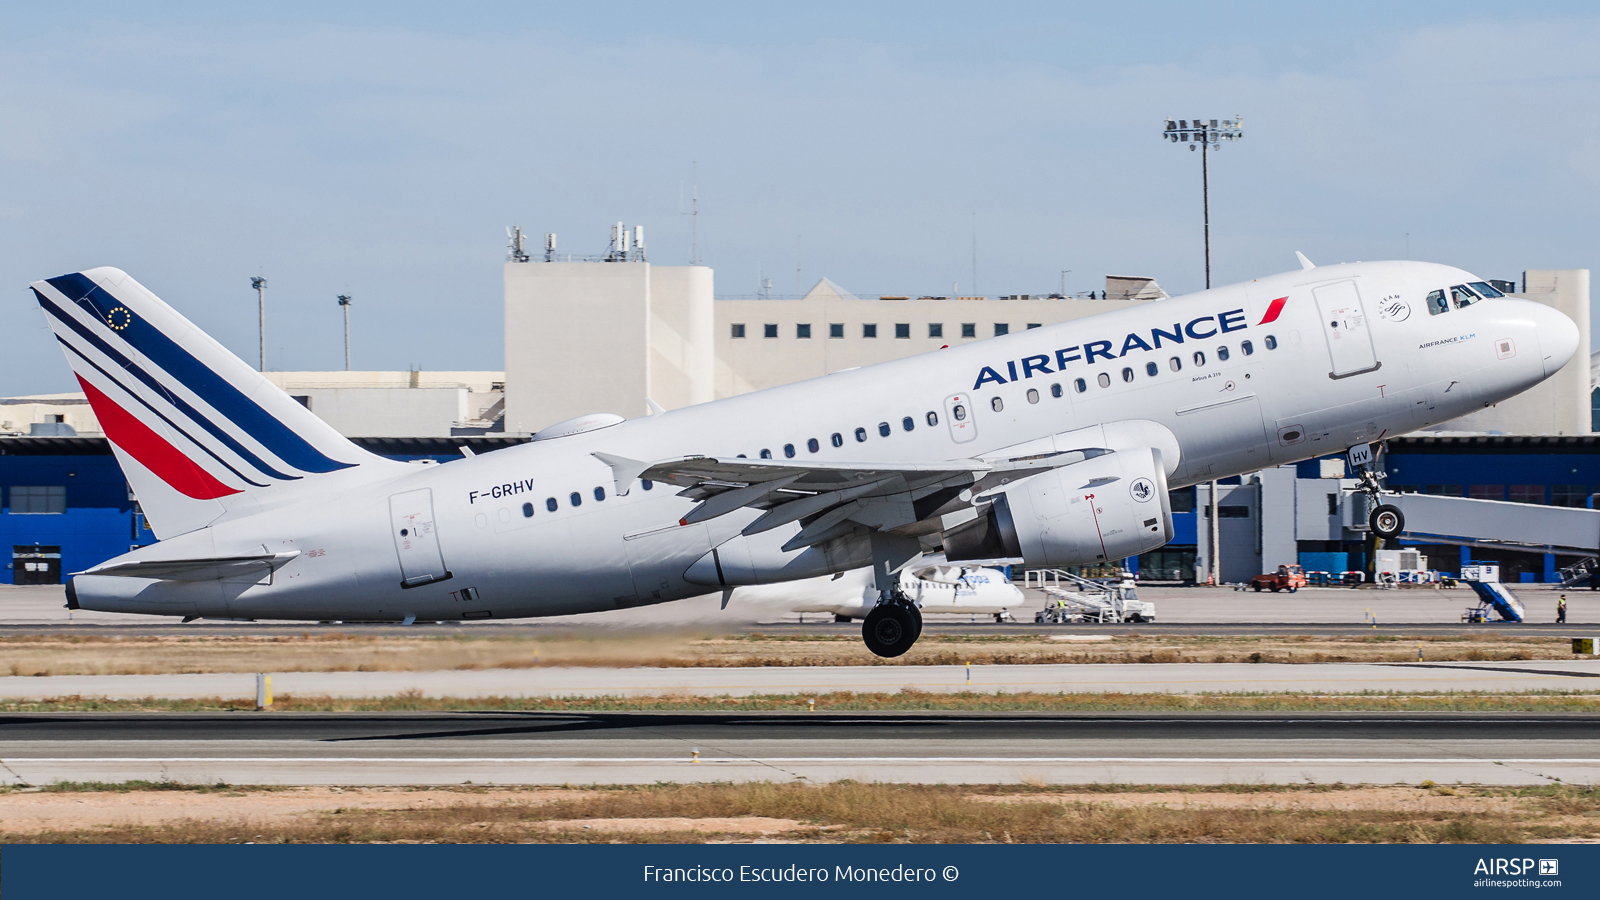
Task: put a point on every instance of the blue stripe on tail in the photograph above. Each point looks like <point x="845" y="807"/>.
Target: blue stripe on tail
<point x="197" y="376"/>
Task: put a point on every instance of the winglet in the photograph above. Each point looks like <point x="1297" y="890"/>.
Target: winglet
<point x="1304" y="263"/>
<point x="656" y="409"/>
<point x="623" y="470"/>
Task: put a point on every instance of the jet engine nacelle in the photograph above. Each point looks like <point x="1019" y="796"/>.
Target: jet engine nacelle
<point x="1105" y="508"/>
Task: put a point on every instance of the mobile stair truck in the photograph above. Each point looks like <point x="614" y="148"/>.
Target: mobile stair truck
<point x="1071" y="598"/>
<point x="1484" y="579"/>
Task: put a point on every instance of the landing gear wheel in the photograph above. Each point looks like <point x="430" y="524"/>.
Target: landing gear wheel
<point x="890" y="629"/>
<point x="1387" y="521"/>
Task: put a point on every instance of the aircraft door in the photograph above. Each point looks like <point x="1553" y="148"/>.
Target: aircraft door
<point x="958" y="414"/>
<point x="416" y="539"/>
<point x="1344" y="324"/>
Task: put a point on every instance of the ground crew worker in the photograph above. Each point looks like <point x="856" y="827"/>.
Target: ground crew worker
<point x="1561" y="610"/>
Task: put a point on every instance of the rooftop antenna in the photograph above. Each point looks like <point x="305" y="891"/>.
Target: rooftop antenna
<point x="514" y="237"/>
<point x="344" y="304"/>
<point x="694" y="216"/>
<point x="550" y="246"/>
<point x="638" y="244"/>
<point x="260" y="284"/>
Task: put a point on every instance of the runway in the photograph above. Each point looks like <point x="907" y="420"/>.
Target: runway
<point x="596" y="681"/>
<point x="645" y="748"/>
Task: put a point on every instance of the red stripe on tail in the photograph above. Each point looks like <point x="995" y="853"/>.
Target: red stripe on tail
<point x="1273" y="310"/>
<point x="151" y="450"/>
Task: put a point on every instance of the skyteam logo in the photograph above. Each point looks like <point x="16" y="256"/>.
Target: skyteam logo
<point x="1087" y="353"/>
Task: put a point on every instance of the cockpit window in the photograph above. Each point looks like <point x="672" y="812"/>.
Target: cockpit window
<point x="1486" y="289"/>
<point x="1436" y="303"/>
<point x="1462" y="296"/>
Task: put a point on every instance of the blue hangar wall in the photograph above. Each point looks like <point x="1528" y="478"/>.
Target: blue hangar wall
<point x="68" y="495"/>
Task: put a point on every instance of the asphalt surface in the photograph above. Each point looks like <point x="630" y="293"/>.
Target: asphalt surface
<point x="741" y="747"/>
<point x="642" y="747"/>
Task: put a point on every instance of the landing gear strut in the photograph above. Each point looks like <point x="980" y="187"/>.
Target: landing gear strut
<point x="895" y="623"/>
<point x="1386" y="520"/>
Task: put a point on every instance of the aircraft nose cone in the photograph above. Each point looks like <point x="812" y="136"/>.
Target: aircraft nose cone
<point x="1558" y="339"/>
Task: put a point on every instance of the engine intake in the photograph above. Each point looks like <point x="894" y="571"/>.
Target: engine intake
<point x="1109" y="507"/>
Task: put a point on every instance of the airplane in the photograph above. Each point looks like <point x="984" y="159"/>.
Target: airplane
<point x="934" y="585"/>
<point x="1054" y="446"/>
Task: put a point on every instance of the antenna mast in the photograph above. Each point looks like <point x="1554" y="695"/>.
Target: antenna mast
<point x="344" y="302"/>
<point x="260" y="284"/>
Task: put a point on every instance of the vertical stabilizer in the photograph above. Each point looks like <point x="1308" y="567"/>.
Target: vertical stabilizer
<point x="195" y="429"/>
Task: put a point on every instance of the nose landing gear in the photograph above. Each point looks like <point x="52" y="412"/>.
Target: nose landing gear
<point x="1386" y="520"/>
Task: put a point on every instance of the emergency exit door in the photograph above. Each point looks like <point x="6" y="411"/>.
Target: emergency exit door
<point x="1344" y="324"/>
<point x="416" y="539"/>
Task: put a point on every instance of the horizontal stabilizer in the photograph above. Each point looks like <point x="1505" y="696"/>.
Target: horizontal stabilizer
<point x="207" y="569"/>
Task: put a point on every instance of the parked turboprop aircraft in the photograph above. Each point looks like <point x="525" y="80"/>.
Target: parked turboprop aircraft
<point x="1055" y="446"/>
<point x="934" y="585"/>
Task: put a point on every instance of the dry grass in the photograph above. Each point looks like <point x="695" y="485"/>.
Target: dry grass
<point x="90" y="654"/>
<point x="848" y="812"/>
<point x="849" y="701"/>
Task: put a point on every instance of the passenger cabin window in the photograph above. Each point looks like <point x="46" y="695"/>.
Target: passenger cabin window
<point x="647" y="484"/>
<point x="1033" y="396"/>
<point x="599" y="493"/>
<point x="1461" y="296"/>
<point x="1151" y="369"/>
<point x="1222" y="353"/>
<point x="1247" y="348"/>
<point x="1103" y="379"/>
<point x="812" y="445"/>
<point x="788" y="451"/>
<point x="861" y="435"/>
<point x="1436" y="303"/>
<point x="997" y="404"/>
<point x="766" y="454"/>
<point x="1079" y="385"/>
<point x="1055" y="391"/>
<point x="1486" y="289"/>
<point x="527" y="510"/>
<point x="1271" y="341"/>
<point x="551" y="504"/>
<point x="883" y="429"/>
<point x="1127" y="374"/>
<point x="576" y="499"/>
<point x="1199" y="357"/>
<point x="933" y="418"/>
<point x="738" y="329"/>
<point x="837" y="440"/>
<point x="908" y="423"/>
<point x="958" y="412"/>
<point x="1175" y="364"/>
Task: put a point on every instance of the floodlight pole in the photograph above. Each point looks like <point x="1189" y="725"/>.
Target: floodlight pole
<point x="260" y="284"/>
<point x="344" y="303"/>
<point x="1206" y="134"/>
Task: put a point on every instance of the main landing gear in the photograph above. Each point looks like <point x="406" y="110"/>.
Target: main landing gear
<point x="896" y="622"/>
<point x="892" y="626"/>
<point x="1386" y="520"/>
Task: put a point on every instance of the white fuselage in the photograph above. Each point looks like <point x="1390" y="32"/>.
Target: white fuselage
<point x="1239" y="414"/>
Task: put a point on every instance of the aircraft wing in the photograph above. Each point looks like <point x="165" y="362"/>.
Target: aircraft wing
<point x="202" y="569"/>
<point x="831" y="499"/>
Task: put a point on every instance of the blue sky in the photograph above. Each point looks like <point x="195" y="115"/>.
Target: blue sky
<point x="380" y="150"/>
